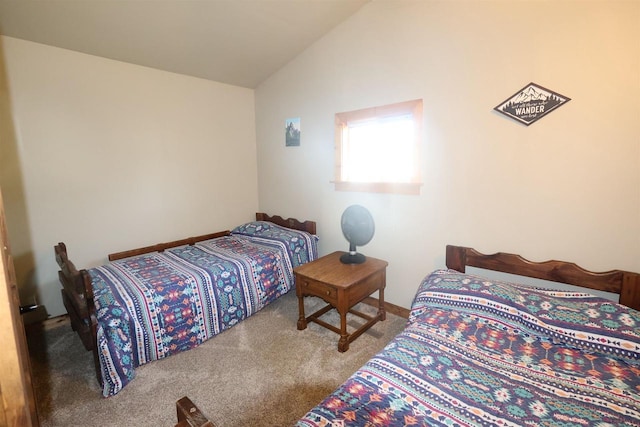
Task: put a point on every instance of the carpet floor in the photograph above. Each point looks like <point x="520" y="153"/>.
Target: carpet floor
<point x="262" y="372"/>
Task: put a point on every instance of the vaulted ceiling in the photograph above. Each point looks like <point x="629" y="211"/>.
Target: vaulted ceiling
<point x="238" y="42"/>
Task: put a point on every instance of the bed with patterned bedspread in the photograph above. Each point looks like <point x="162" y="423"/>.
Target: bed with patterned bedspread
<point x="479" y="352"/>
<point x="157" y="304"/>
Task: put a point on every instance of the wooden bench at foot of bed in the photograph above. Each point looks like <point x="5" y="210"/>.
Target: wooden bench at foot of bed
<point x="190" y="416"/>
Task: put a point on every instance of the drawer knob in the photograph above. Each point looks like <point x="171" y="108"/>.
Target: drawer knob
<point x="328" y="292"/>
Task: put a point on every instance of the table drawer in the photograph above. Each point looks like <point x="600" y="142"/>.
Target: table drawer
<point x="322" y="290"/>
<point x="366" y="287"/>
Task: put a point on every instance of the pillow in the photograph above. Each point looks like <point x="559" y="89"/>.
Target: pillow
<point x="301" y="246"/>
<point x="578" y="319"/>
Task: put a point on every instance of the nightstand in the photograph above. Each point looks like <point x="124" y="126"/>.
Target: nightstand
<point x="341" y="286"/>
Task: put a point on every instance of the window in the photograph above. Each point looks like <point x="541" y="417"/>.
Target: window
<point x="377" y="149"/>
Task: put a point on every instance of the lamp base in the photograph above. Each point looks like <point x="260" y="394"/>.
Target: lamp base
<point x="352" y="258"/>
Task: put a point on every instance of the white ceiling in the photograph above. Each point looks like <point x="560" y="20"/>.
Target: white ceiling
<point x="238" y="42"/>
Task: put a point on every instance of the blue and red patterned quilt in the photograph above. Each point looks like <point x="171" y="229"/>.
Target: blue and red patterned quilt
<point x="157" y="304"/>
<point x="478" y="352"/>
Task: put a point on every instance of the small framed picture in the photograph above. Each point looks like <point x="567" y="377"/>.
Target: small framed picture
<point x="292" y="132"/>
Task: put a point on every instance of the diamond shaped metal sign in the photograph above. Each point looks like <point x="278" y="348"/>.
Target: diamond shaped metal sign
<point x="531" y="103"/>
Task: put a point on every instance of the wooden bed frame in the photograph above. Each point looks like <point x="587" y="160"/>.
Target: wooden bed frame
<point x="77" y="291"/>
<point x="624" y="283"/>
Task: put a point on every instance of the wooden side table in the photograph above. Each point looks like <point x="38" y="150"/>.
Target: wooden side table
<point x="342" y="286"/>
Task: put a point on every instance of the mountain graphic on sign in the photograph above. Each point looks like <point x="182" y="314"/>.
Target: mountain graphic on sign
<point x="530" y="94"/>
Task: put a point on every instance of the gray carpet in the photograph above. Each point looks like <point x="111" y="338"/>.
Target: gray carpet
<point x="262" y="372"/>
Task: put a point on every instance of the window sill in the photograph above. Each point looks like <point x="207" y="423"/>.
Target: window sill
<point x="412" y="188"/>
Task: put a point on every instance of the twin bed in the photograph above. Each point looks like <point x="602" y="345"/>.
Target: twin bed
<point x="152" y="302"/>
<point x="475" y="351"/>
<point x="482" y="352"/>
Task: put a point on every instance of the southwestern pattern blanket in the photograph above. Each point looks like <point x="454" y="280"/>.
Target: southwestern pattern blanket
<point x="478" y="352"/>
<point x="157" y="304"/>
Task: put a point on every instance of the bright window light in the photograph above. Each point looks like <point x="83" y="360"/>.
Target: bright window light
<point x="377" y="148"/>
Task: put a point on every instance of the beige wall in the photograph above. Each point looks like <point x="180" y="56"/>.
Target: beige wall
<point x="115" y="156"/>
<point x="90" y="141"/>
<point x="12" y="185"/>
<point x="567" y="187"/>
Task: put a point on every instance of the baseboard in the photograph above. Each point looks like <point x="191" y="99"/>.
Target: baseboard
<point x="388" y="307"/>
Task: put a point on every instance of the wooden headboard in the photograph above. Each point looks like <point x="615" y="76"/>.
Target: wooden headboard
<point x="308" y="226"/>
<point x="624" y="283"/>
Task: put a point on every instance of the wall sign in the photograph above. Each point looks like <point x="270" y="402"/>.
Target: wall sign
<point x="531" y="103"/>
